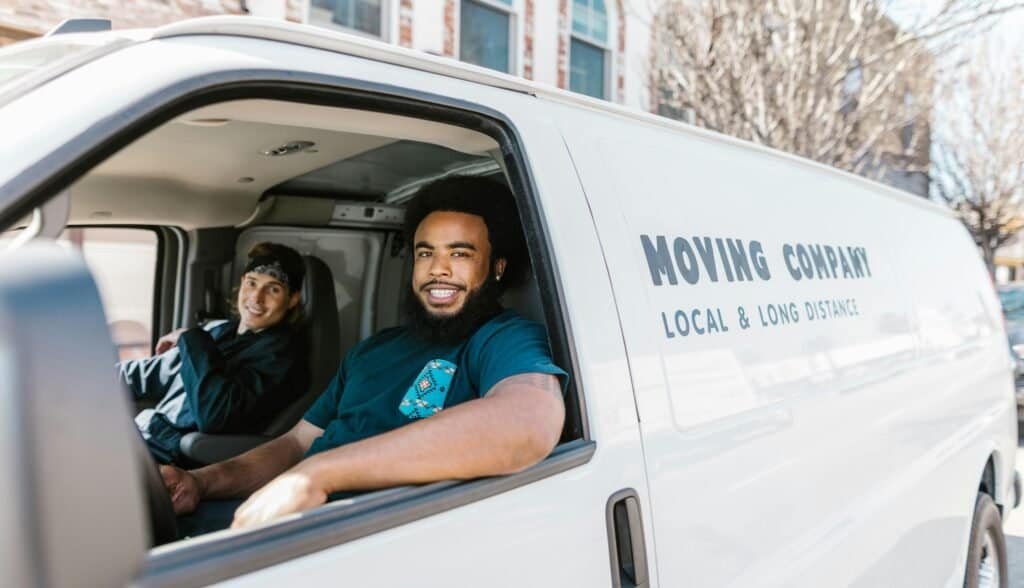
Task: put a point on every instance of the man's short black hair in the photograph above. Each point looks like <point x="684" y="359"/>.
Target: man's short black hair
<point x="489" y="199"/>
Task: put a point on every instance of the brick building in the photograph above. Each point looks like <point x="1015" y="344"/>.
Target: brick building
<point x="597" y="47"/>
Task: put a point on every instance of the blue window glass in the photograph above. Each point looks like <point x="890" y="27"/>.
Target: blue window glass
<point x="590" y="19"/>
<point x="580" y="17"/>
<point x="599" y="21"/>
<point x="484" y="35"/>
<point x="586" y="69"/>
<point x="361" y="15"/>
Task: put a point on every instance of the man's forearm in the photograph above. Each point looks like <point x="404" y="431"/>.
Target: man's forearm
<point x="497" y="435"/>
<point x="241" y="476"/>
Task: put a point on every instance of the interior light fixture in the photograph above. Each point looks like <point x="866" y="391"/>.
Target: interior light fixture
<point x="207" y="122"/>
<point x="288" y="148"/>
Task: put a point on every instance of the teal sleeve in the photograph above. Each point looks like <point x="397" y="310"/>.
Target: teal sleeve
<point x="517" y="347"/>
<point x="325" y="409"/>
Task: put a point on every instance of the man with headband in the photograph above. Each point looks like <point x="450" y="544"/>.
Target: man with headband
<point x="235" y="376"/>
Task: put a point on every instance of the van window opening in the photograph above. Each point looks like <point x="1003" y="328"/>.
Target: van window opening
<point x="570" y="453"/>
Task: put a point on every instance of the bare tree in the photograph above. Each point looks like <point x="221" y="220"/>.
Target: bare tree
<point x="837" y="81"/>
<point x="979" y="146"/>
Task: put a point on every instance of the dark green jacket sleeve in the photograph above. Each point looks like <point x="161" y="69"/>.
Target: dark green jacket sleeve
<point x="225" y="401"/>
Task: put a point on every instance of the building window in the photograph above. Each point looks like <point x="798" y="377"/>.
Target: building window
<point x="588" y="49"/>
<point x="363" y="16"/>
<point x="486" y="33"/>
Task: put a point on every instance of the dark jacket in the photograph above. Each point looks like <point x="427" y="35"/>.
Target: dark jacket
<point x="216" y="381"/>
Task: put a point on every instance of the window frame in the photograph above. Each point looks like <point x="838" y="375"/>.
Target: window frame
<point x="174" y="261"/>
<point x="385" y="23"/>
<point x="606" y="49"/>
<point x="334" y="524"/>
<point x="512" y="10"/>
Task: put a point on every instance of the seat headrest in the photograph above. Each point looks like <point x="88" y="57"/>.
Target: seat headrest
<point x="317" y="288"/>
<point x="323" y="336"/>
<point x="525" y="299"/>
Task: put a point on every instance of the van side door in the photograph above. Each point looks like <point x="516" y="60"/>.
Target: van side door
<point x="773" y="360"/>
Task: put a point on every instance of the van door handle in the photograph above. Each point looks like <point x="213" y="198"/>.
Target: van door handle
<point x="626" y="548"/>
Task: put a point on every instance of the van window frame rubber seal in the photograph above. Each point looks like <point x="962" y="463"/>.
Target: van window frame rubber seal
<point x="229" y="557"/>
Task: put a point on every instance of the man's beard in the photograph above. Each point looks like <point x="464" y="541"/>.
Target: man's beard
<point x="479" y="307"/>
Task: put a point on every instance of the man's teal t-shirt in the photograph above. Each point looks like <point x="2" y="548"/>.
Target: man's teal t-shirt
<point x="394" y="377"/>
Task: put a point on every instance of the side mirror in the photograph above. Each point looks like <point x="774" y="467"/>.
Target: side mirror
<point x="73" y="512"/>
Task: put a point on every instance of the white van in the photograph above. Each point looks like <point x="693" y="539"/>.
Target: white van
<point x="781" y="375"/>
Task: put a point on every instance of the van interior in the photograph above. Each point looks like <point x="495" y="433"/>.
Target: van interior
<point x="165" y="223"/>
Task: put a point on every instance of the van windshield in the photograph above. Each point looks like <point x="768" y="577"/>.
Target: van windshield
<point x="47" y="57"/>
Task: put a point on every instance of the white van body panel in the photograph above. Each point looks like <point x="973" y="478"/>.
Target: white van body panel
<point x="842" y="451"/>
<point x="550" y="532"/>
<point x="527" y="537"/>
<point x="845" y="451"/>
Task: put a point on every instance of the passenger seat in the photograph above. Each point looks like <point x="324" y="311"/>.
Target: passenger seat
<point x="525" y="299"/>
<point x="323" y="340"/>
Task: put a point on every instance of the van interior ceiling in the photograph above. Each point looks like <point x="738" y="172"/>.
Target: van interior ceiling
<point x="212" y="166"/>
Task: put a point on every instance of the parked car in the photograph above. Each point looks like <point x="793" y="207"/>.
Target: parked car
<point x="781" y="374"/>
<point x="1011" y="297"/>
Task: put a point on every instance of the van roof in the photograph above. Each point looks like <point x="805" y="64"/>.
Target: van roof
<point x="339" y="42"/>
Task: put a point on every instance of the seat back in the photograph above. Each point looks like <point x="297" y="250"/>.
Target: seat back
<point x="525" y="299"/>
<point x="323" y="341"/>
<point x="321" y="329"/>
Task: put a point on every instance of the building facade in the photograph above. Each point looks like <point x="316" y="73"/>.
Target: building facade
<point x="596" y="47"/>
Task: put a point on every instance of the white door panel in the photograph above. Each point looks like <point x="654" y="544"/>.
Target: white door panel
<point x="544" y="534"/>
<point x="553" y="530"/>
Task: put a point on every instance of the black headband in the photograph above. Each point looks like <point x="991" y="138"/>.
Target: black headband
<point x="271" y="266"/>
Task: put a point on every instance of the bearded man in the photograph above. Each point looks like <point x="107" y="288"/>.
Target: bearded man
<point x="464" y="390"/>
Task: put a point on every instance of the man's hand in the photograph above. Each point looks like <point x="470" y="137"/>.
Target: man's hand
<point x="183" y="488"/>
<point x="168" y="341"/>
<point x="291" y="492"/>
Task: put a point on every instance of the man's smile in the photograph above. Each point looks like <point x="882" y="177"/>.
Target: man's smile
<point x="440" y="293"/>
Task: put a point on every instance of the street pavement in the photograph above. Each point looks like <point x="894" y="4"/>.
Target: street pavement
<point x="1014" y="529"/>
